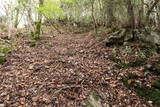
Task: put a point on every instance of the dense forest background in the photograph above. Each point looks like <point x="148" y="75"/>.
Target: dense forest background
<point x="122" y="13"/>
<point x="80" y="53"/>
<point x="127" y="14"/>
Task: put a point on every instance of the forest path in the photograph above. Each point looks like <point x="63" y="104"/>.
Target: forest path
<point x="62" y="71"/>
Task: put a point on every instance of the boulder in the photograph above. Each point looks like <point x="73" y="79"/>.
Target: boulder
<point x="153" y="37"/>
<point x="156" y="37"/>
<point x="117" y="37"/>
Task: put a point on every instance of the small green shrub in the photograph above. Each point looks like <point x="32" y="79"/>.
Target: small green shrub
<point x="5" y="50"/>
<point x="15" y="43"/>
<point x="2" y="42"/>
<point x="130" y="76"/>
<point x="2" y="59"/>
<point x="3" y="26"/>
<point x="32" y="43"/>
<point x="156" y="84"/>
<point x="19" y="34"/>
<point x="50" y="44"/>
<point x="152" y="94"/>
<point x="32" y="36"/>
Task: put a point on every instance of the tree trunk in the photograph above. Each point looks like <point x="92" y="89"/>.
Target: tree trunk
<point x="29" y="17"/>
<point x="92" y="15"/>
<point x="39" y="22"/>
<point x="131" y="17"/>
<point x="110" y="15"/>
<point x="17" y="18"/>
<point x="141" y="14"/>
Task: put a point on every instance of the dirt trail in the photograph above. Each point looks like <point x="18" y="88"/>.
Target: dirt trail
<point x="62" y="75"/>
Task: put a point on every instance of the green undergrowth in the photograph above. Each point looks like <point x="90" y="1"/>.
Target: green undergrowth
<point x="2" y="59"/>
<point x="50" y="44"/>
<point x="141" y="55"/>
<point x="150" y="93"/>
<point x="153" y="68"/>
<point x="2" y="42"/>
<point x="5" y="50"/>
<point x="32" y="43"/>
<point x="32" y="36"/>
<point x="122" y="65"/>
<point x="33" y="39"/>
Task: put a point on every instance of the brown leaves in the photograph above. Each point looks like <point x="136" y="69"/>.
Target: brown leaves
<point x="69" y="71"/>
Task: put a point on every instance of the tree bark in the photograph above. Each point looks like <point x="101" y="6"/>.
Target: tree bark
<point x="39" y="22"/>
<point x="17" y="18"/>
<point x="92" y="15"/>
<point x="141" y="14"/>
<point x="110" y="15"/>
<point x="131" y="16"/>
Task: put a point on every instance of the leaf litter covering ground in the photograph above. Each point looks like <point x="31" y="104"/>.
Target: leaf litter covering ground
<point x="63" y="75"/>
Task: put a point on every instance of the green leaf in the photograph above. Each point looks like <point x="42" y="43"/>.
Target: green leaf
<point x="51" y="9"/>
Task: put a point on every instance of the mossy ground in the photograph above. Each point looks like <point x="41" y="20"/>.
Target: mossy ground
<point x="122" y="65"/>
<point x="150" y="93"/>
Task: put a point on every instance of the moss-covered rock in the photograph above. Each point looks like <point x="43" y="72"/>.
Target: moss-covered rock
<point x="116" y="38"/>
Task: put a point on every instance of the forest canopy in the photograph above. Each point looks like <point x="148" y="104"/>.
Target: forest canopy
<point x="120" y="13"/>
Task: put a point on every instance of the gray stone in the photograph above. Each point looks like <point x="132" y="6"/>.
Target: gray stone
<point x="156" y="37"/>
<point x="153" y="37"/>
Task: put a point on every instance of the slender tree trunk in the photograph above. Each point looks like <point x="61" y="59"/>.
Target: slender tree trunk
<point x="17" y="18"/>
<point x="39" y="22"/>
<point x="9" y="23"/>
<point x="141" y="14"/>
<point x="158" y="18"/>
<point x="131" y="17"/>
<point x="29" y="17"/>
<point x="110" y="15"/>
<point x="93" y="17"/>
